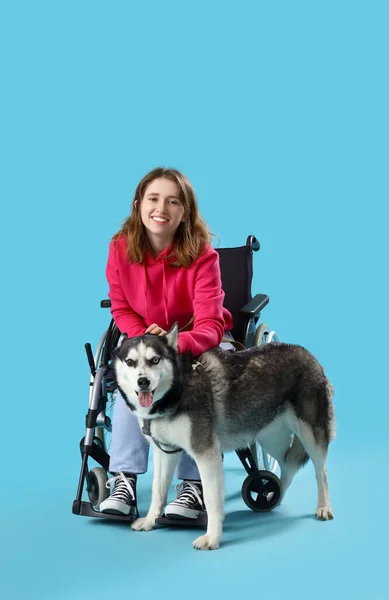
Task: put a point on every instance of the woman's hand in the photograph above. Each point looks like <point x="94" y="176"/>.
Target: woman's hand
<point x="155" y="330"/>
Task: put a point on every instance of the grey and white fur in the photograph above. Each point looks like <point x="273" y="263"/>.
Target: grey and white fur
<point x="276" y="395"/>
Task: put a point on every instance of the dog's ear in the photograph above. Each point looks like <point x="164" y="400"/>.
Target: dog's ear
<point x="172" y="337"/>
<point x="123" y="337"/>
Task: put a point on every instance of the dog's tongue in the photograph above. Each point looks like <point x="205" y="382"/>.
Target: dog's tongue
<point x="145" y="398"/>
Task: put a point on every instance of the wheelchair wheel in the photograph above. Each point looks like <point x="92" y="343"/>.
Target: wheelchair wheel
<point x="107" y="342"/>
<point x="261" y="491"/>
<point x="103" y="434"/>
<point x="264" y="335"/>
<point x="97" y="490"/>
<point x="261" y="335"/>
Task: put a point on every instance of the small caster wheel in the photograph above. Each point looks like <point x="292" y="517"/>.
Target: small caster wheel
<point x="97" y="490"/>
<point x="261" y="491"/>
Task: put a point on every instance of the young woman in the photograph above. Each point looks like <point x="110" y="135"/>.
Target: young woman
<point x="162" y="269"/>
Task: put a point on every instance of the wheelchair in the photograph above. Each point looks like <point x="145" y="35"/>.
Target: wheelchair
<point x="261" y="490"/>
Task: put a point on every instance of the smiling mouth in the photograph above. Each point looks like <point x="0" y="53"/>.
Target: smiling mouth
<point x="161" y="220"/>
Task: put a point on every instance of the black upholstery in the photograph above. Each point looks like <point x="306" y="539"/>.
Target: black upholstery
<point x="236" y="266"/>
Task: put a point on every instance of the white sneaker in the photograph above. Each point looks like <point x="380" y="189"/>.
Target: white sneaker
<point x="122" y="500"/>
<point x="189" y="503"/>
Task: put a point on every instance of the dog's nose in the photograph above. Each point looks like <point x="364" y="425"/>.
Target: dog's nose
<point x="143" y="383"/>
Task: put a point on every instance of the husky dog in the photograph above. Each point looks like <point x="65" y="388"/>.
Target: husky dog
<point x="276" y="394"/>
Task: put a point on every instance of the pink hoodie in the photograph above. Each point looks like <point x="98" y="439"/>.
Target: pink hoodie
<point x="157" y="292"/>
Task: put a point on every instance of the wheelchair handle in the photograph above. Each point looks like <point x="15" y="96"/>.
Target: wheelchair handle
<point x="90" y="358"/>
<point x="253" y="243"/>
<point x="105" y="304"/>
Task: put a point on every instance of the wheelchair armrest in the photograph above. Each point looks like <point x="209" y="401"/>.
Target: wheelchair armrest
<point x="105" y="304"/>
<point x="254" y="307"/>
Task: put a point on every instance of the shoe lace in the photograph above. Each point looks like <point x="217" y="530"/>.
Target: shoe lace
<point x="118" y="481"/>
<point x="188" y="492"/>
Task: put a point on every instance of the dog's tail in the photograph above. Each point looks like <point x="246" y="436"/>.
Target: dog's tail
<point x="331" y="412"/>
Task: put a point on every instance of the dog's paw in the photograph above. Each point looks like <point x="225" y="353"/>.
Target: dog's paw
<point x="206" y="542"/>
<point x="143" y="524"/>
<point x="324" y="513"/>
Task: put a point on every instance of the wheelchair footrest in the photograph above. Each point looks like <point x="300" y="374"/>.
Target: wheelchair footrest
<point x="86" y="509"/>
<point x="201" y="521"/>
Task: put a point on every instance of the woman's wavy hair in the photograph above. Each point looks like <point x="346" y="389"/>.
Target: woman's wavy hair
<point x="191" y="236"/>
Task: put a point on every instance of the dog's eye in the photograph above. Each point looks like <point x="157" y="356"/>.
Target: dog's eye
<point x="155" y="360"/>
<point x="130" y="362"/>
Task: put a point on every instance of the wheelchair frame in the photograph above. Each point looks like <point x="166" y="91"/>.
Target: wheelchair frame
<point x="261" y="482"/>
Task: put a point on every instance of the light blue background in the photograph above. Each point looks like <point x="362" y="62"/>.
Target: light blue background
<point x="278" y="114"/>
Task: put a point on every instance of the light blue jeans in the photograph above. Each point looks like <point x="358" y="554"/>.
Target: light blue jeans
<point x="130" y="449"/>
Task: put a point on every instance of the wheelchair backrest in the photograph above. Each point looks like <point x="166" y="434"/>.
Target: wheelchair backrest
<point x="236" y="266"/>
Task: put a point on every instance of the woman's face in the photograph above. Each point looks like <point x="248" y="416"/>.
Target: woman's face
<point x="161" y="211"/>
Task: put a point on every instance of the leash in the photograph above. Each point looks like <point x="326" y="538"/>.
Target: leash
<point x="234" y="343"/>
<point x="146" y="429"/>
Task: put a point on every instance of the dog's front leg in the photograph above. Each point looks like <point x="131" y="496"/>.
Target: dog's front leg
<point x="210" y="467"/>
<point x="164" y="465"/>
